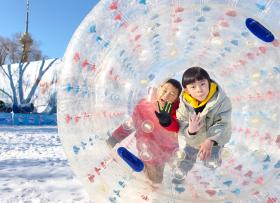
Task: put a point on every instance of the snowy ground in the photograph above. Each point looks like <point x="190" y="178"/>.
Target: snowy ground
<point x="34" y="168"/>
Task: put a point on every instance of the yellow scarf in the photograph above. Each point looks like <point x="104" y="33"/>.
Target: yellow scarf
<point x="195" y="104"/>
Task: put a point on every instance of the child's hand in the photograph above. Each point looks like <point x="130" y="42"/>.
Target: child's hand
<point x="111" y="141"/>
<point x="195" y="123"/>
<point x="205" y="149"/>
<point x="164" y="114"/>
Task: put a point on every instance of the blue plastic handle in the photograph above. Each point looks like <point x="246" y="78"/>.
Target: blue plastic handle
<point x="134" y="162"/>
<point x="259" y="30"/>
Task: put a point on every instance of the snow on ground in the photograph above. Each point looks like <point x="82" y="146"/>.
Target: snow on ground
<point x="34" y="168"/>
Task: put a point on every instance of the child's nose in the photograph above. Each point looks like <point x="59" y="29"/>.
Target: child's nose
<point x="165" y="96"/>
<point x="198" y="88"/>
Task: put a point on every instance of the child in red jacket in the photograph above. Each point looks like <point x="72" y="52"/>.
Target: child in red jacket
<point x="155" y="127"/>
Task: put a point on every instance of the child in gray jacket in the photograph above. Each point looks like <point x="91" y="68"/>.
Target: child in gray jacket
<point x="204" y="117"/>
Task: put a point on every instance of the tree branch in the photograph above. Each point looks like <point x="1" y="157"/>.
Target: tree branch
<point x="24" y="68"/>
<point x="3" y="69"/>
<point x="20" y="88"/>
<point x="12" y="85"/>
<point x="3" y="57"/>
<point x="50" y="64"/>
<point x="42" y="66"/>
<point x="35" y="85"/>
<point x="6" y="93"/>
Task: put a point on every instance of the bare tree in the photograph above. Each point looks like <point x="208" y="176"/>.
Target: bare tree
<point x="11" y="50"/>
<point x="11" y="53"/>
<point x="16" y="84"/>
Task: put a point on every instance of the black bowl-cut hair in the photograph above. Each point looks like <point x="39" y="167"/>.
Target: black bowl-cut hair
<point x="194" y="74"/>
<point x="176" y="84"/>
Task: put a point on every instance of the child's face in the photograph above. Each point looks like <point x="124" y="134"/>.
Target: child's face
<point x="198" y="89"/>
<point x="167" y="93"/>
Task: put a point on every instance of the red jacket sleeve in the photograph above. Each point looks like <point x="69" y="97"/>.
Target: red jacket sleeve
<point x="121" y="132"/>
<point x="174" y="126"/>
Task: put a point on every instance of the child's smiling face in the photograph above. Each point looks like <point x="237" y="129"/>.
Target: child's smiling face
<point x="198" y="89"/>
<point x="167" y="93"/>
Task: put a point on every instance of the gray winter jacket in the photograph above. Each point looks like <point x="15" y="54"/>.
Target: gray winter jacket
<point x="216" y="117"/>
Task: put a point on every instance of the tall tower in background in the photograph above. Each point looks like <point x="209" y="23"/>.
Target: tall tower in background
<point x="26" y="39"/>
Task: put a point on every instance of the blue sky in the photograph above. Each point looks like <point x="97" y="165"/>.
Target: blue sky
<point x="52" y="22"/>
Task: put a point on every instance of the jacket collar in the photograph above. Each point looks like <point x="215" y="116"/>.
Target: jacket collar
<point x="214" y="101"/>
<point x="194" y="103"/>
